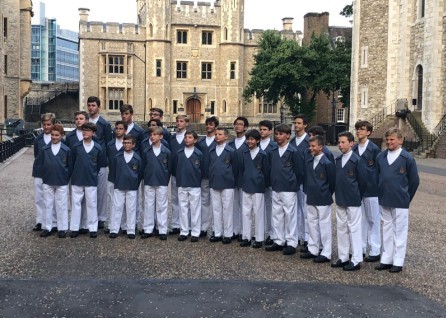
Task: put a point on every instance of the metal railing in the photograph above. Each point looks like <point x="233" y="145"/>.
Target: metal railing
<point x="9" y="148"/>
<point x="425" y="137"/>
<point x="380" y="116"/>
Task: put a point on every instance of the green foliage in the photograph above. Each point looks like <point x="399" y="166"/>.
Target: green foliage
<point x="347" y="11"/>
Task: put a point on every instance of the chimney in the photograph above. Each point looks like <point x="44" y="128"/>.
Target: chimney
<point x="287" y="24"/>
<point x="83" y="14"/>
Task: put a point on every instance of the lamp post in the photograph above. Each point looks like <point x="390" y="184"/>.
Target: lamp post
<point x="282" y="113"/>
<point x="333" y="104"/>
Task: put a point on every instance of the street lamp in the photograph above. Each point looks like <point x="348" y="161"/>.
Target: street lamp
<point x="333" y="104"/>
<point x="282" y="113"/>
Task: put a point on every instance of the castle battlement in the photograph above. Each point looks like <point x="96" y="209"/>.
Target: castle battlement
<point x="111" y="29"/>
<point x="204" y="13"/>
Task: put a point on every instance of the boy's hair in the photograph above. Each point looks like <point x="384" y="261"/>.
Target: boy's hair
<point x="225" y="130"/>
<point x="266" y="123"/>
<point x="158" y="110"/>
<point x="121" y="122"/>
<point x="81" y="112"/>
<point x="185" y="117"/>
<point x="129" y="137"/>
<point x="59" y="128"/>
<point x="89" y="126"/>
<point x="283" y="128"/>
<point x="394" y="131"/>
<point x="156" y="130"/>
<point x="244" y="119"/>
<point x="316" y="131"/>
<point x="320" y="140"/>
<point x="364" y="123"/>
<point x="347" y="134"/>
<point x="303" y="117"/>
<point x="192" y="133"/>
<point x="157" y="121"/>
<point x="126" y="108"/>
<point x="253" y="134"/>
<point x="212" y="119"/>
<point x="48" y="117"/>
<point x="94" y="99"/>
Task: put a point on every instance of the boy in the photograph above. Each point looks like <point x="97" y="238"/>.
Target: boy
<point x="371" y="216"/>
<point x="284" y="178"/>
<point x="133" y="128"/>
<point x="75" y="136"/>
<point x="47" y="120"/>
<point x="398" y="182"/>
<point x="204" y="145"/>
<point x="350" y="187"/>
<point x="57" y="166"/>
<point x="189" y="163"/>
<point x="255" y="170"/>
<point x="176" y="143"/>
<point x="319" y="131"/>
<point x="88" y="158"/>
<point x="128" y="172"/>
<point x="146" y="141"/>
<point x="320" y="180"/>
<point x="157" y="167"/>
<point x="158" y="113"/>
<point x="223" y="172"/>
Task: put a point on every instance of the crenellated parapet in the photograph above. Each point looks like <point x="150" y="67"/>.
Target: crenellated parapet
<point x="204" y="13"/>
<point x="111" y="30"/>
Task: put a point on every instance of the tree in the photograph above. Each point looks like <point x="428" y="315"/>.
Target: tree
<point x="347" y="11"/>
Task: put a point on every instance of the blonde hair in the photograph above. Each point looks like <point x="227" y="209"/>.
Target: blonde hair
<point x="48" y="117"/>
<point x="394" y="131"/>
<point x="185" y="117"/>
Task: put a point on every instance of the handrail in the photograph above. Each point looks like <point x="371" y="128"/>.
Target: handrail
<point x="441" y="126"/>
<point x="426" y="138"/>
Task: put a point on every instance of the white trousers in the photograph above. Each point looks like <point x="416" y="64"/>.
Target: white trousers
<point x="175" y="222"/>
<point x="302" y="221"/>
<point x="284" y="218"/>
<point x="77" y="194"/>
<point x="155" y="208"/>
<point x="206" y="215"/>
<point x="222" y="205"/>
<point x="237" y="210"/>
<point x="371" y="226"/>
<point x="190" y="200"/>
<point x="111" y="202"/>
<point x="268" y="209"/>
<point x="39" y="200"/>
<point x="102" y="194"/>
<point x="127" y="199"/>
<point x="55" y="198"/>
<point x="319" y="226"/>
<point x="395" y="228"/>
<point x="254" y="208"/>
<point x="349" y="226"/>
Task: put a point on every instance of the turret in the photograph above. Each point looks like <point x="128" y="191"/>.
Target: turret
<point x="232" y="20"/>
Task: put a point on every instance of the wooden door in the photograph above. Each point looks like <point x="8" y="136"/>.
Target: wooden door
<point x="193" y="110"/>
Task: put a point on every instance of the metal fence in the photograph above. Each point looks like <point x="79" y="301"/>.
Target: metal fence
<point x="10" y="147"/>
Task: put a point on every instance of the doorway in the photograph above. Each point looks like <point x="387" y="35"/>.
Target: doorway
<point x="193" y="110"/>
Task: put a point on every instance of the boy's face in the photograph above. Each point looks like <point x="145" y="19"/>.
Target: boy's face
<point x="252" y="143"/>
<point x="210" y="127"/>
<point x="79" y="120"/>
<point x="220" y="137"/>
<point x="362" y="133"/>
<point x="189" y="140"/>
<point x="265" y="132"/>
<point x="93" y="108"/>
<point x="281" y="138"/>
<point x="47" y="125"/>
<point x="127" y="117"/>
<point x="155" y="115"/>
<point x="152" y="124"/>
<point x="87" y="134"/>
<point x="239" y="126"/>
<point x="393" y="142"/>
<point x="344" y="145"/>
<point x="299" y="126"/>
<point x="56" y="136"/>
<point x="315" y="148"/>
<point x="119" y="131"/>
<point x="155" y="138"/>
<point x="181" y="124"/>
<point x="128" y="145"/>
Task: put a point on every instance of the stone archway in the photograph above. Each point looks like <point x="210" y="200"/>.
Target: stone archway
<point x="193" y="110"/>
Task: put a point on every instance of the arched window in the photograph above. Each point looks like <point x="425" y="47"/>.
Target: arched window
<point x="167" y="32"/>
<point x="419" y="87"/>
<point x="151" y="30"/>
<point x="226" y="33"/>
<point x="224" y="106"/>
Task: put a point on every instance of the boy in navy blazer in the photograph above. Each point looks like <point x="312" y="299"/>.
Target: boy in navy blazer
<point x="189" y="164"/>
<point x="223" y="172"/>
<point x="320" y="180"/>
<point x="398" y="182"/>
<point x="351" y="182"/>
<point x="75" y="136"/>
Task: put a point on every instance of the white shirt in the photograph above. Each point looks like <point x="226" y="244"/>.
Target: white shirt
<point x="55" y="148"/>
<point x="239" y="141"/>
<point x="118" y="144"/>
<point x="88" y="147"/>
<point x="130" y="127"/>
<point x="316" y="160"/>
<point x="283" y="149"/>
<point x="79" y="134"/>
<point x="47" y="138"/>
<point x="188" y="151"/>
<point x="128" y="156"/>
<point x="156" y="150"/>
<point x="346" y="157"/>
<point x="264" y="143"/>
<point x="393" y="155"/>
<point x="298" y="140"/>
<point x="209" y="140"/>
<point x="362" y="148"/>
<point x="254" y="152"/>
<point x="219" y="149"/>
<point x="180" y="136"/>
<point x="93" y="120"/>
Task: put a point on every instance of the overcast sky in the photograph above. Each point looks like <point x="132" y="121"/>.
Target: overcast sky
<point x="259" y="14"/>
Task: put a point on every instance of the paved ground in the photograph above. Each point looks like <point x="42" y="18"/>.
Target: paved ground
<point x="139" y="278"/>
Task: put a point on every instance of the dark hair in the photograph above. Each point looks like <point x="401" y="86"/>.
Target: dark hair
<point x="156" y="109"/>
<point x="81" y="112"/>
<point x="89" y="126"/>
<point x="319" y="139"/>
<point x="126" y="108"/>
<point x="303" y="117"/>
<point x="121" y="122"/>
<point x="316" y="131"/>
<point x="253" y="134"/>
<point x="59" y="128"/>
<point x="347" y="134"/>
<point x="225" y="130"/>
<point x="266" y="123"/>
<point x="192" y="133"/>
<point x="283" y="128"/>
<point x="244" y="119"/>
<point x="212" y="119"/>
<point x="129" y="137"/>
<point x="157" y="121"/>
<point x="364" y="123"/>
<point x="94" y="99"/>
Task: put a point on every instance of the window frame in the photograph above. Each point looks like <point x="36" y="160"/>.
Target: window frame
<point x="158" y="67"/>
<point x="115" y="103"/>
<point x="116" y="66"/>
<point x="206" y="70"/>
<point x="181" y="69"/>
<point x="182" y="36"/>
<point x="207" y="37"/>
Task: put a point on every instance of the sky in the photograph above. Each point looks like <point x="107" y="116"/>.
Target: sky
<point x="259" y="14"/>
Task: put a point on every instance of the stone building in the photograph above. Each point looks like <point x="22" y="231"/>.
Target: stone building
<point x="15" y="56"/>
<point x="180" y="56"/>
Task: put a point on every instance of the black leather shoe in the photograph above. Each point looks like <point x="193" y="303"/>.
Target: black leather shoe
<point x="339" y="264"/>
<point x="274" y="247"/>
<point x="146" y="235"/>
<point x="62" y="234"/>
<point x="203" y="233"/>
<point x="113" y="235"/>
<point x="383" y="267"/>
<point x="372" y="259"/>
<point x="155" y="232"/>
<point x="257" y="245"/>
<point x="124" y="232"/>
<point x="182" y="238"/>
<point x="45" y="233"/>
<point x="234" y="237"/>
<point x="214" y="239"/>
<point x="307" y="255"/>
<point x="269" y="241"/>
<point x="93" y="234"/>
<point x="395" y="269"/>
<point x="106" y="231"/>
<point x="240" y="238"/>
<point x="175" y="231"/>
<point x="83" y="231"/>
<point x="245" y="243"/>
<point x="74" y="234"/>
<point x="131" y="236"/>
<point x="289" y="250"/>
<point x="226" y="240"/>
<point x="321" y="259"/>
<point x="54" y="229"/>
<point x="304" y="249"/>
<point x="163" y="237"/>
<point x="194" y="239"/>
<point x="350" y="267"/>
<point x="101" y="225"/>
<point x="141" y="232"/>
<point x="37" y="227"/>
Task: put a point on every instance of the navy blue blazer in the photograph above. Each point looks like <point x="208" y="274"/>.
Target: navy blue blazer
<point x="57" y="168"/>
<point x="224" y="169"/>
<point x="239" y="152"/>
<point x="255" y="172"/>
<point x="128" y="175"/>
<point x="137" y="132"/>
<point x="174" y="147"/>
<point x="111" y="154"/>
<point x="39" y="143"/>
<point x="320" y="182"/>
<point x="351" y="181"/>
<point x="189" y="169"/>
<point x="270" y="147"/>
<point x="157" y="169"/>
<point x="303" y="146"/>
<point x="145" y="144"/>
<point x="205" y="150"/>
<point x="285" y="170"/>
<point x="87" y="165"/>
<point x="103" y="132"/>
<point x="398" y="182"/>
<point x="166" y="135"/>
<point x="369" y="159"/>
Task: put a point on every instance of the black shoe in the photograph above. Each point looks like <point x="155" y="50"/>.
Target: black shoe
<point x="62" y="234"/>
<point x="113" y="235"/>
<point x="174" y="231"/>
<point x="83" y="231"/>
<point x="131" y="236"/>
<point x="226" y="240"/>
<point x="203" y="233"/>
<point x="307" y="255"/>
<point x="304" y="249"/>
<point x="234" y="237"/>
<point x="240" y="238"/>
<point x="245" y="243"/>
<point x="146" y="235"/>
<point x="74" y="234"/>
<point x="372" y="259"/>
<point x="257" y="244"/>
<point x="383" y="267"/>
<point x="395" y="269"/>
<point x="155" y="232"/>
<point x="339" y="264"/>
<point x="269" y="241"/>
<point x="101" y="225"/>
<point x="106" y="231"/>
<point x="124" y="232"/>
<point x="350" y="267"/>
<point x="45" y="233"/>
<point x="321" y="259"/>
<point x="54" y="229"/>
<point x="93" y="234"/>
<point x="274" y="247"/>
<point x="289" y="250"/>
<point x="141" y="232"/>
<point x="182" y="238"/>
<point x="214" y="239"/>
<point x="194" y="239"/>
<point x="37" y="227"/>
<point x="163" y="237"/>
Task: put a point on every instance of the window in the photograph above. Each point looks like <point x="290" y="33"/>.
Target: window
<point x="206" y="38"/>
<point x="175" y="107"/>
<point x="232" y="71"/>
<point x="5" y="27"/>
<point x="158" y="68"/>
<point x="364" y="57"/>
<point x="5" y="68"/>
<point x="224" y="106"/>
<point x="423" y="8"/>
<point x="182" y="37"/>
<point x="181" y="69"/>
<point x="206" y="70"/>
<point x="226" y="34"/>
<point x="340" y="115"/>
<point x="116" y="64"/>
<point x="364" y="97"/>
<point x="269" y="108"/>
<point x="5" y="102"/>
<point x="212" y="107"/>
<point x="115" y="98"/>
